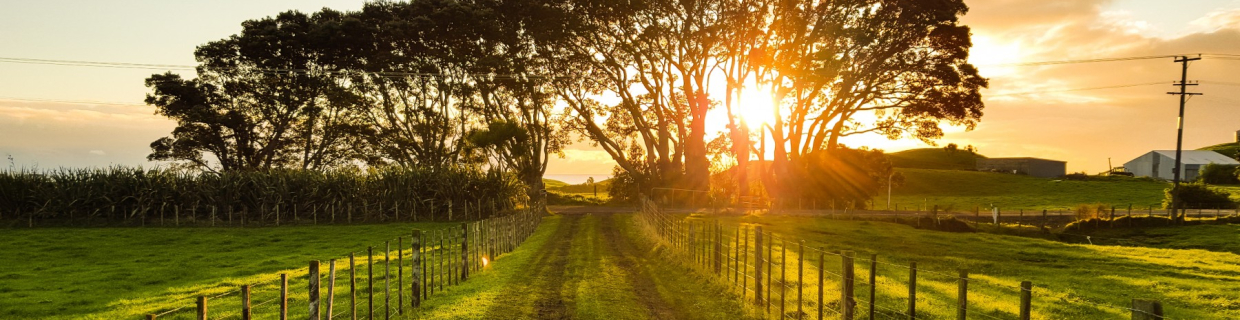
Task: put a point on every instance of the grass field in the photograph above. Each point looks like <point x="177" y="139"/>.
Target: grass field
<point x="963" y="190"/>
<point x="112" y="273"/>
<point x="578" y="266"/>
<point x="1070" y="281"/>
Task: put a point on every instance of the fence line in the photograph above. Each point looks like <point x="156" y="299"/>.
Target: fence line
<point x="765" y="261"/>
<point x="438" y="260"/>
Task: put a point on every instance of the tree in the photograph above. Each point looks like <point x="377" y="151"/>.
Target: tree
<point x="656" y="59"/>
<point x="902" y="62"/>
<point x="259" y="102"/>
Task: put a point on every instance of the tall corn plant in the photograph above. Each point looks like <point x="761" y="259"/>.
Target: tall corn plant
<point x="134" y="196"/>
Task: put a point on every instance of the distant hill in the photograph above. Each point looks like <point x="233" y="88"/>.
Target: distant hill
<point x="551" y="184"/>
<point x="564" y="187"/>
<point x="1228" y="149"/>
<point x="935" y="158"/>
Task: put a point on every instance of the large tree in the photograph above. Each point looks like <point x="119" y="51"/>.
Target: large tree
<point x="260" y="101"/>
<point x="840" y="68"/>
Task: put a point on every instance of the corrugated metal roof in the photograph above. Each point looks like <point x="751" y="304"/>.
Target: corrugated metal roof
<point x="1199" y="157"/>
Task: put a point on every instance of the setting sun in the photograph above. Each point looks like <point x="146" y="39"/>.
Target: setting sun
<point x="755" y="107"/>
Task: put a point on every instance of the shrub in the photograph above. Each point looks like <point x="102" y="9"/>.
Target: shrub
<point x="1219" y="174"/>
<point x="1078" y="176"/>
<point x="1199" y="196"/>
<point x="1090" y="211"/>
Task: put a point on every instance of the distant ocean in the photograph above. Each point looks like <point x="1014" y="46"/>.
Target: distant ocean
<point x="577" y="178"/>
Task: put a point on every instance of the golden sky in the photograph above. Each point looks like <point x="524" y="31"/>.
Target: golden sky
<point x="1029" y="110"/>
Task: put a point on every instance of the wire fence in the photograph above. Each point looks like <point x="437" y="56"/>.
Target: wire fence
<point x="1102" y="214"/>
<point x="784" y="277"/>
<point x="381" y="283"/>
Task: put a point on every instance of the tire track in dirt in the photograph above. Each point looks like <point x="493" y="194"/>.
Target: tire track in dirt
<point x="626" y="254"/>
<point x="545" y="276"/>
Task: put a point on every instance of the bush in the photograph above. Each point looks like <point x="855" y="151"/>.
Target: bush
<point x="939" y="223"/>
<point x="1199" y="196"/>
<point x="1078" y="176"/>
<point x="1090" y="211"/>
<point x="1219" y="174"/>
<point x="560" y="199"/>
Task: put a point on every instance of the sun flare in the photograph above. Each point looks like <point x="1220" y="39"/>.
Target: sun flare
<point x="755" y="107"/>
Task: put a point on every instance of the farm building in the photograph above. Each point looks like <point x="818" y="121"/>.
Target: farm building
<point x="1041" y="168"/>
<point x="1158" y="163"/>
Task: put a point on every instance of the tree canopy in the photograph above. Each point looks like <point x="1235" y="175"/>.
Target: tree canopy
<point x="506" y="83"/>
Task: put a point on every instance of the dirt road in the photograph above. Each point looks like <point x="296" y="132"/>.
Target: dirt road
<point x="596" y="266"/>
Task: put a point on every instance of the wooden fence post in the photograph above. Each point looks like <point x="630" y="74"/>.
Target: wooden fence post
<point x="1026" y="298"/>
<point x="800" y="277"/>
<point x="1143" y="309"/>
<point x="150" y="317"/>
<point x="283" y="296"/>
<point x="770" y="269"/>
<point x="912" y="290"/>
<point x="822" y="264"/>
<point x="846" y="285"/>
<point x="464" y="251"/>
<point x="757" y="266"/>
<point x="370" y="282"/>
<point x="415" y="290"/>
<point x="783" y="277"/>
<point x="331" y="288"/>
<point x="962" y="295"/>
<point x="873" y="283"/>
<point x="352" y="287"/>
<point x="313" y="290"/>
<point x="718" y="248"/>
<point x="736" y="255"/>
<point x="400" y="272"/>
<point x="745" y="265"/>
<point x="202" y="307"/>
<point x="387" y="279"/>
<point x="245" y="302"/>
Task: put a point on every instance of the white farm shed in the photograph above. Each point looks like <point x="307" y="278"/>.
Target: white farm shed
<point x="1159" y="163"/>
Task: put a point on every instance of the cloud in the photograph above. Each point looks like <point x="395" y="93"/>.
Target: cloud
<point x="50" y="135"/>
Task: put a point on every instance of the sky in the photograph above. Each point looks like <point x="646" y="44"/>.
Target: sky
<point x="1030" y="111"/>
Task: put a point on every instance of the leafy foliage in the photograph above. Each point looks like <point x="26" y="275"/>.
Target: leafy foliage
<point x="136" y="196"/>
<point x="1199" y="196"/>
<point x="1219" y="174"/>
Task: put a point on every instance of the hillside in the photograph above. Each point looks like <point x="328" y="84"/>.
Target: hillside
<point x="551" y="184"/>
<point x="935" y="158"/>
<point x="963" y="190"/>
<point x="1228" y="149"/>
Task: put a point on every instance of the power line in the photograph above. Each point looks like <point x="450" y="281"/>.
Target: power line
<point x="73" y="102"/>
<point x="1080" y="61"/>
<point x="1079" y="89"/>
<point x="276" y="71"/>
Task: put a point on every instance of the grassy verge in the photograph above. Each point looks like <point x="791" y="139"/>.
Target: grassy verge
<point x="1071" y="281"/>
<point x="963" y="190"/>
<point x="1217" y="238"/>
<point x="62" y="273"/>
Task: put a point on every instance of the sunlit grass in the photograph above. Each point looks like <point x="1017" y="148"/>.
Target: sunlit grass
<point x="1070" y="281"/>
<point x="964" y="190"/>
<point x="114" y="273"/>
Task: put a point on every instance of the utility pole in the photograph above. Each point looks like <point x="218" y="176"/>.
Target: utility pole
<point x="892" y="173"/>
<point x="1179" y="138"/>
